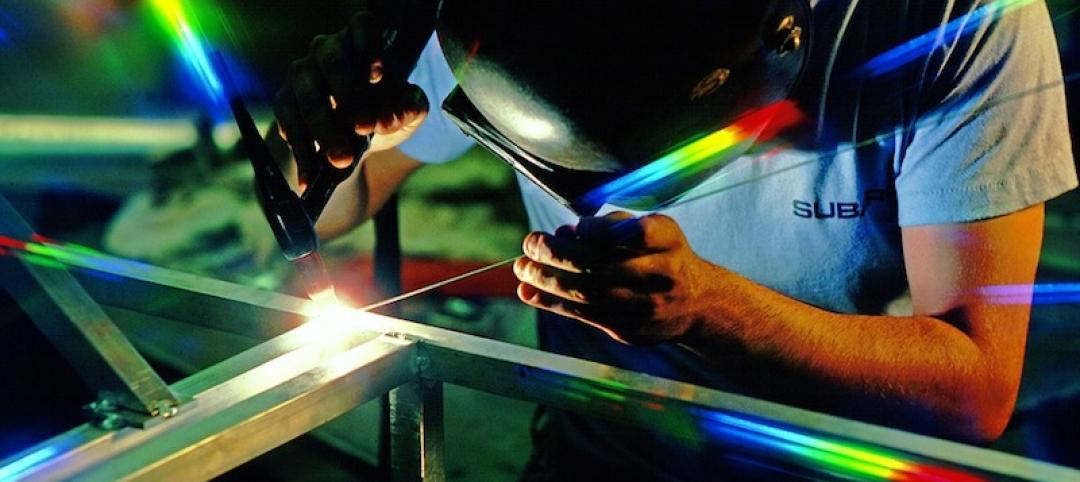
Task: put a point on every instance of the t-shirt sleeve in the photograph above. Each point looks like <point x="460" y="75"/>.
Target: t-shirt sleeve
<point x="438" y="139"/>
<point x="994" y="138"/>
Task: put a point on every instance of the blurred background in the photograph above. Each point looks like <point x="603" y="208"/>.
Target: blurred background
<point x="109" y="140"/>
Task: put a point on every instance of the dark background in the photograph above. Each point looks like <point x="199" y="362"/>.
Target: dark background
<point x="112" y="58"/>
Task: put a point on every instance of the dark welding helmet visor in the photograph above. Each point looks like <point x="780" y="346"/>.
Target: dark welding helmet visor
<point x="592" y="99"/>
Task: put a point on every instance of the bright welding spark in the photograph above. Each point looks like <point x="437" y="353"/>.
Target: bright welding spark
<point x="703" y="154"/>
<point x="192" y="49"/>
<point x="921" y="46"/>
<point x="330" y="319"/>
<point x="1037" y="294"/>
<point x="328" y="315"/>
<point x="327" y="302"/>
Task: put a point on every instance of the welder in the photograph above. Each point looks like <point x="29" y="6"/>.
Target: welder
<point x="739" y="194"/>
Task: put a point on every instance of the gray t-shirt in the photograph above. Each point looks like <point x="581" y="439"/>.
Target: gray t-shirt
<point x="971" y="127"/>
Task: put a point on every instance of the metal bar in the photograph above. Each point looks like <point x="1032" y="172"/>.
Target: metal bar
<point x="416" y="432"/>
<point x="601" y="390"/>
<point x="82" y="332"/>
<point x="188" y="349"/>
<point x="387" y="270"/>
<point x="243" y="407"/>
<point x="703" y="416"/>
<point x="258" y="314"/>
<point x="180" y="346"/>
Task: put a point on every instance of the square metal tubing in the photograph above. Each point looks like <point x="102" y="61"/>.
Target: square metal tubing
<point x="280" y="389"/>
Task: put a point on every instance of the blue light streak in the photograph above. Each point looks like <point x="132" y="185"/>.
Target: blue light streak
<point x="12" y="471"/>
<point x="191" y="47"/>
<point x="921" y="46"/>
<point x="1038" y="294"/>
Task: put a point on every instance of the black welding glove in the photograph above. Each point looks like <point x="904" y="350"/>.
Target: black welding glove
<point x="350" y="95"/>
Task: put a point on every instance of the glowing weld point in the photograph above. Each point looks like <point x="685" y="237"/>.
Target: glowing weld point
<point x="326" y="301"/>
<point x="329" y="317"/>
<point x="325" y="308"/>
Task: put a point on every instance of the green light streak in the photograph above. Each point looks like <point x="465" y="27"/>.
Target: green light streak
<point x="189" y="43"/>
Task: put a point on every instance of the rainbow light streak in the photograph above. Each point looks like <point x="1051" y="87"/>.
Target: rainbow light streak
<point x="591" y="392"/>
<point x="583" y="391"/>
<point x="922" y="45"/>
<point x="1037" y="294"/>
<point x="827" y="460"/>
<point x="830" y="455"/>
<point x="50" y="253"/>
<point x="190" y="45"/>
<point x="12" y="471"/>
<point x="700" y="155"/>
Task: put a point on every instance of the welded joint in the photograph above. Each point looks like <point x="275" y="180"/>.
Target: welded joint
<point x="421" y="363"/>
<point x="107" y="414"/>
<point x="400" y="338"/>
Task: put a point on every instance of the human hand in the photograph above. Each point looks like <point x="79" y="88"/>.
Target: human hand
<point x="336" y="100"/>
<point x="636" y="279"/>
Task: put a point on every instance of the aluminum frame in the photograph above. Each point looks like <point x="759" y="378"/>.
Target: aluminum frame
<point x="244" y="407"/>
<point x="128" y="390"/>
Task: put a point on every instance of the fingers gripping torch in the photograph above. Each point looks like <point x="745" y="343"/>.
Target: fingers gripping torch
<point x="292" y="218"/>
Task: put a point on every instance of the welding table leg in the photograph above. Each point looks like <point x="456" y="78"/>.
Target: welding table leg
<point x="416" y="432"/>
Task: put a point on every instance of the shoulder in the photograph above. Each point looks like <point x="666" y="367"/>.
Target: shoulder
<point x="438" y="139"/>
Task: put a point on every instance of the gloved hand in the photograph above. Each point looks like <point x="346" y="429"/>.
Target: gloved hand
<point x="336" y="100"/>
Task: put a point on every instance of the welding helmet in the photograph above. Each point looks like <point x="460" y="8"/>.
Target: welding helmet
<point x="578" y="95"/>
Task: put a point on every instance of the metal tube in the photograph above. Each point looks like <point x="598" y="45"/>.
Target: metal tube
<point x="243" y="407"/>
<point x="128" y="390"/>
<point x="670" y="407"/>
<point x="416" y="432"/>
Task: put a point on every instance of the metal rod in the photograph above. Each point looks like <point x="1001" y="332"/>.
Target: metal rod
<point x="440" y="284"/>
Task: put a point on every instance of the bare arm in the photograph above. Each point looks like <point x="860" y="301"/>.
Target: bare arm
<point x="952" y="368"/>
<point x="957" y="360"/>
<point x="364" y="193"/>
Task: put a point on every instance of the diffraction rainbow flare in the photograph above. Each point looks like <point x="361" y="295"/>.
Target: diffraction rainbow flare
<point x="188" y="40"/>
<point x="707" y="152"/>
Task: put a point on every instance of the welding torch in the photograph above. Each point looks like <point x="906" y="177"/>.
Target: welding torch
<point x="293" y="226"/>
<point x="292" y="218"/>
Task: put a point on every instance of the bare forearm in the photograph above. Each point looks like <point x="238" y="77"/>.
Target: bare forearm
<point x="362" y="195"/>
<point x="901" y="366"/>
<point x="952" y="370"/>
